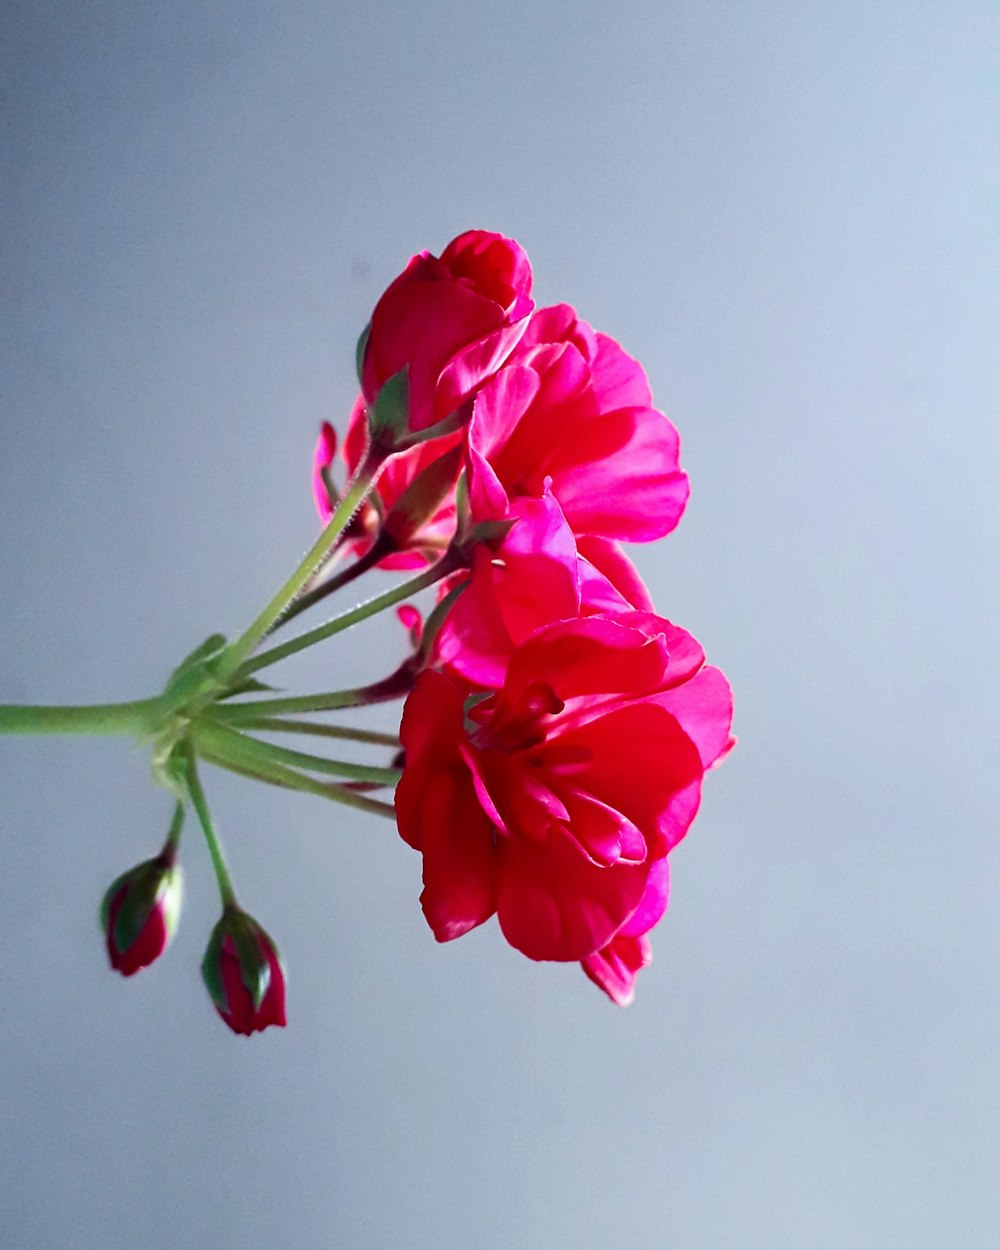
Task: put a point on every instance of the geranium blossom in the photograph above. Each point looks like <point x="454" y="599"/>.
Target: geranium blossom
<point x="450" y="321"/>
<point x="550" y="800"/>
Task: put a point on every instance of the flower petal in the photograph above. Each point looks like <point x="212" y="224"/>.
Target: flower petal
<point x="614" y="967"/>
<point x="553" y="903"/>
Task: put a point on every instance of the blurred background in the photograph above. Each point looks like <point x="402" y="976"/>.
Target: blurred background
<point x="788" y="212"/>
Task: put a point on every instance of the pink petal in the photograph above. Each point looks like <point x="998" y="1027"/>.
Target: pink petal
<point x="558" y="324"/>
<point x="421" y="321"/>
<point x="619" y="380"/>
<point x="639" y="759"/>
<point x="593" y="655"/>
<point x="654" y="901"/>
<point x="497" y="266"/>
<point x="497" y="409"/>
<point x="603" y="833"/>
<point x="464" y="373"/>
<point x="537" y="575"/>
<point x="439" y="814"/>
<point x="553" y="903"/>
<point x="615" y="967"/>
<point x="412" y="621"/>
<point x="326" y="449"/>
<point x="474" y="640"/>
<point x="609" y="559"/>
<point x="620" y="476"/>
<point x="598" y="597"/>
<point x="703" y="707"/>
<point x="459" y="862"/>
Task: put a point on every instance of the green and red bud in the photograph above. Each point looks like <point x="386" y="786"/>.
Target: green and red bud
<point x="243" y="973"/>
<point x="140" y="911"/>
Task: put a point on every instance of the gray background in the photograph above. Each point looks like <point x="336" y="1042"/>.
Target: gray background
<point x="787" y="211"/>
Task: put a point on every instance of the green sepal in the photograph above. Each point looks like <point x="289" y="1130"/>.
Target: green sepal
<point x="249" y="686"/>
<point x="211" y="647"/>
<point x="109" y="895"/>
<point x="463" y="517"/>
<point x="211" y="966"/>
<point x="492" y="533"/>
<point x="447" y="425"/>
<point x="329" y="485"/>
<point x="422" y="498"/>
<point x="359" y="353"/>
<point x="146" y="886"/>
<point x="432" y="626"/>
<point x="389" y="415"/>
<point x="251" y="944"/>
<point x="137" y="906"/>
<point x="255" y="967"/>
<point x="169" y="764"/>
<point x="472" y="701"/>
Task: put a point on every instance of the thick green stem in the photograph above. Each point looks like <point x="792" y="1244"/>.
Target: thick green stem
<point x="371" y="607"/>
<point x="354" y="496"/>
<point x="140" y="717"/>
<point x="238" y="746"/>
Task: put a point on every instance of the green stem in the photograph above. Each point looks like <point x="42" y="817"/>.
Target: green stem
<point x="140" y="717"/>
<point x="344" y="733"/>
<point x="308" y="598"/>
<point x="354" y="496"/>
<point x="174" y="836"/>
<point x="331" y="700"/>
<point x="200" y="805"/>
<point x="239" y="746"/>
<point x="289" y="779"/>
<point x="449" y="562"/>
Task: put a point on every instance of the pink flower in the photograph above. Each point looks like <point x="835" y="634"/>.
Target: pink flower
<point x="140" y="911"/>
<point x="573" y="408"/>
<point x="451" y="321"/>
<point x="551" y="800"/>
<point x="243" y="973"/>
<point x="397" y="476"/>
<point x="536" y="575"/>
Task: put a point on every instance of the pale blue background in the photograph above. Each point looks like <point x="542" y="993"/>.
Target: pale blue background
<point x="788" y="211"/>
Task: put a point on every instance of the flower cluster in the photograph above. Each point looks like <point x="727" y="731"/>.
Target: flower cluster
<point x="556" y="729"/>
<point x="557" y="735"/>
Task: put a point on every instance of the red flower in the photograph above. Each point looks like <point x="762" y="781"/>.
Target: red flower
<point x="572" y="408"/>
<point x="243" y="973"/>
<point x="452" y="321"/>
<point x="551" y="800"/>
<point x="536" y="575"/>
<point x="139" y="913"/>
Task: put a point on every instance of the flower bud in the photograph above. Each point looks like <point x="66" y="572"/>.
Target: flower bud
<point x="140" y="911"/>
<point x="443" y="327"/>
<point x="243" y="973"/>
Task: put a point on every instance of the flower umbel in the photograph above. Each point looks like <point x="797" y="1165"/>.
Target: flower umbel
<point x="556" y="729"/>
